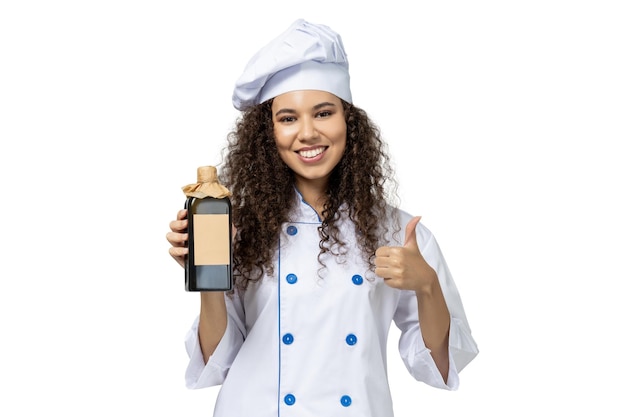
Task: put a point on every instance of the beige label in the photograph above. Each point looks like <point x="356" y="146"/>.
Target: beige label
<point x="211" y="239"/>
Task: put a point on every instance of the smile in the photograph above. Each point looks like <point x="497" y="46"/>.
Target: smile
<point x="311" y="153"/>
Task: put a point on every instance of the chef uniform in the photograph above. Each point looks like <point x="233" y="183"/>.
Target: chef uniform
<point x="311" y="339"/>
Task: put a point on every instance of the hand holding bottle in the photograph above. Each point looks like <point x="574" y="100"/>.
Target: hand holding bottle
<point x="177" y="237"/>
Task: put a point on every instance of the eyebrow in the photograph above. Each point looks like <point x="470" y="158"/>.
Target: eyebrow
<point x="316" y="107"/>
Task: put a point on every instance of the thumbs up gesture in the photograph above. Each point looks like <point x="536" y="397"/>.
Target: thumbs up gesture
<point x="404" y="267"/>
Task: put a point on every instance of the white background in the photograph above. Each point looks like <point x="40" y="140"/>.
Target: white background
<point x="506" y="121"/>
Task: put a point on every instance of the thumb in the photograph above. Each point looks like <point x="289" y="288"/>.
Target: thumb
<point x="410" y="238"/>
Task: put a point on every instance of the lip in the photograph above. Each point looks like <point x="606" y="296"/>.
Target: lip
<point x="316" y="158"/>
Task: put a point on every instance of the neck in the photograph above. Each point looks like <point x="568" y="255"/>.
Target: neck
<point x="314" y="193"/>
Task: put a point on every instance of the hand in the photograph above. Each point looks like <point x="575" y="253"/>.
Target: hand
<point x="178" y="237"/>
<point x="404" y="267"/>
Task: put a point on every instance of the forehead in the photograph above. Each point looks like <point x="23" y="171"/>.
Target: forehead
<point x="304" y="99"/>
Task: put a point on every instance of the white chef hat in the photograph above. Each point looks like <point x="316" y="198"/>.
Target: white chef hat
<point x="306" y="56"/>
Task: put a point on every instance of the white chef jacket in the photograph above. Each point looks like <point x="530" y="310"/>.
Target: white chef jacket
<point x="311" y="340"/>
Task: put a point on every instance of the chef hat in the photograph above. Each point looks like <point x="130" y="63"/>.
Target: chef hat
<point x="306" y="56"/>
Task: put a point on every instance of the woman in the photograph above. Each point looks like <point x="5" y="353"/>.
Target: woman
<point x="323" y="262"/>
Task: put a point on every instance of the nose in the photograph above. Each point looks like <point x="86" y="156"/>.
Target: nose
<point x="308" y="131"/>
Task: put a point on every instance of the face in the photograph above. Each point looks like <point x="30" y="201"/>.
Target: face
<point x="310" y="132"/>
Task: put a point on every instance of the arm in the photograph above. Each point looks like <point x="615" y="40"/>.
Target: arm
<point x="219" y="330"/>
<point x="435" y="332"/>
<point x="434" y="320"/>
<point x="213" y="317"/>
<point x="404" y="267"/>
<point x="212" y="322"/>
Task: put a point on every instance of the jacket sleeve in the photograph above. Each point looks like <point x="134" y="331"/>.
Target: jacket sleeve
<point x="416" y="356"/>
<point x="201" y="375"/>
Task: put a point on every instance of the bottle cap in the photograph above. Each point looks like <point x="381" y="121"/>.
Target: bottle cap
<point x="207" y="174"/>
<point x="207" y="186"/>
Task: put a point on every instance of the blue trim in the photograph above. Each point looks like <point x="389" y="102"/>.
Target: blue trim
<point x="307" y="204"/>
<point x="278" y="399"/>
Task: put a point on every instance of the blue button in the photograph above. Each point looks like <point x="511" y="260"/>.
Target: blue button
<point x="292" y="230"/>
<point x="357" y="279"/>
<point x="292" y="278"/>
<point x="345" y="401"/>
<point x="288" y="339"/>
<point x="291" y="400"/>
<point x="351" y="339"/>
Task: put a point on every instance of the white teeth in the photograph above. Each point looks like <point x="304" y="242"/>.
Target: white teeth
<point x="311" y="153"/>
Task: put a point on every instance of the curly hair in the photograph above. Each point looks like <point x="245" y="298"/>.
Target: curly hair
<point x="361" y="184"/>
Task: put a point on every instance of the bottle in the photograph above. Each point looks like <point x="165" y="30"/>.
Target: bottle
<point x="208" y="267"/>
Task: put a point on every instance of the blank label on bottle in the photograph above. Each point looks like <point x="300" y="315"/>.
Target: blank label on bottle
<point x="211" y="239"/>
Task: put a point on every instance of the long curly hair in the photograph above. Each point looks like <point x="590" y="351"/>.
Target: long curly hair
<point x="362" y="184"/>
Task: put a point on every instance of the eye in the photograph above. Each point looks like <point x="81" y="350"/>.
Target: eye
<point x="287" y="119"/>
<point x="324" y="113"/>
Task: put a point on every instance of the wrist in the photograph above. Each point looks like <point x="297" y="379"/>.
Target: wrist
<point x="430" y="287"/>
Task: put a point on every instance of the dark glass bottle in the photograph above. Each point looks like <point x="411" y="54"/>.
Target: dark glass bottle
<point x="208" y="267"/>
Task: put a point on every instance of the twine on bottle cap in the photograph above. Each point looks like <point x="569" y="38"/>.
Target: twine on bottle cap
<point x="207" y="185"/>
